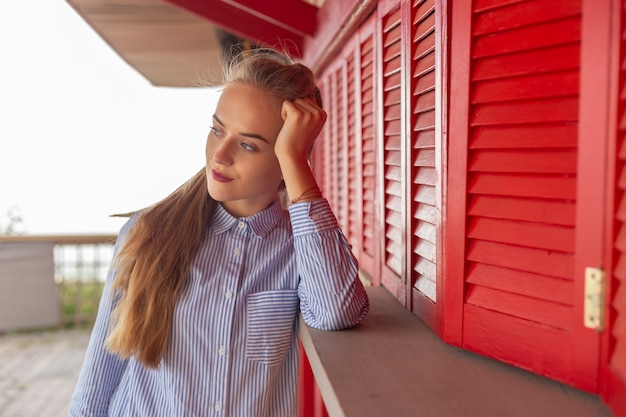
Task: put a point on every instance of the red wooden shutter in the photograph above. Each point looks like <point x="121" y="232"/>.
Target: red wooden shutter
<point x="392" y="143"/>
<point x="345" y="165"/>
<point x="423" y="206"/>
<point x="350" y="149"/>
<point x="366" y="145"/>
<point x="329" y="185"/>
<point x="521" y="184"/>
<point x="340" y="172"/>
<point x="353" y="180"/>
<point x="613" y="372"/>
<point x="615" y="393"/>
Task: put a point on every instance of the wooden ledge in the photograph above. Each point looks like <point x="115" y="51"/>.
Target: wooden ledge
<point x="394" y="365"/>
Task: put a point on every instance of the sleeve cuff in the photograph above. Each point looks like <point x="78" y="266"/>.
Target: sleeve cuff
<point x="312" y="217"/>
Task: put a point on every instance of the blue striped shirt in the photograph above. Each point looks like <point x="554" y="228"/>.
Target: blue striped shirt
<point x="233" y="349"/>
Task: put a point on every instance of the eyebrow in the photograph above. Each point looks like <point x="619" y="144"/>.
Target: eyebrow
<point x="248" y="135"/>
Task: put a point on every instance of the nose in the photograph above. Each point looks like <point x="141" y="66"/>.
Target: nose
<point x="222" y="152"/>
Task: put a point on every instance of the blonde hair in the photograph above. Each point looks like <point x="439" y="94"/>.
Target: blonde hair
<point x="273" y="72"/>
<point x="153" y="264"/>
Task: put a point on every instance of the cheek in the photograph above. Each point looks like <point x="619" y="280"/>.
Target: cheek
<point x="208" y="150"/>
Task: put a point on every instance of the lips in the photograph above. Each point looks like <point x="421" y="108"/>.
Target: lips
<point x="219" y="177"/>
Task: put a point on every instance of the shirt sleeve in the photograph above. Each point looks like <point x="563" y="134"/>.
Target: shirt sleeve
<point x="102" y="370"/>
<point x="331" y="294"/>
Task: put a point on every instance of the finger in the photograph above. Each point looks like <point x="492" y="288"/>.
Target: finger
<point x="308" y="103"/>
<point x="299" y="112"/>
<point x="286" y="108"/>
<point x="311" y="107"/>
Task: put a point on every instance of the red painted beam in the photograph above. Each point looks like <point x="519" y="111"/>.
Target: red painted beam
<point x="243" y="24"/>
<point x="294" y="15"/>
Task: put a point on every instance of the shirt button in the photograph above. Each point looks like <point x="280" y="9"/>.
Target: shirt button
<point x="221" y="350"/>
<point x="242" y="225"/>
<point x="218" y="406"/>
<point x="236" y="251"/>
<point x="229" y="294"/>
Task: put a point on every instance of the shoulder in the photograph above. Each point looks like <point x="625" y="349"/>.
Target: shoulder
<point x="127" y="226"/>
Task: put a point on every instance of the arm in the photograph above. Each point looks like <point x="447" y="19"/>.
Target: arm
<point x="102" y="370"/>
<point x="331" y="295"/>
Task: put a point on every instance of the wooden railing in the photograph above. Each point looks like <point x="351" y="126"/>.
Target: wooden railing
<point x="39" y="273"/>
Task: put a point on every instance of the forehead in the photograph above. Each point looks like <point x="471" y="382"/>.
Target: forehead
<point x="245" y="94"/>
<point x="245" y="108"/>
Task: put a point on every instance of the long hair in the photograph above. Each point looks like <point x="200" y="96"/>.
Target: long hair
<point x="153" y="264"/>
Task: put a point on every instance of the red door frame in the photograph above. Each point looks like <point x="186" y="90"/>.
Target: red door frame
<point x="455" y="178"/>
<point x="592" y="196"/>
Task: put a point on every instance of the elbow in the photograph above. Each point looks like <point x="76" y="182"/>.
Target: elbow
<point x="350" y="313"/>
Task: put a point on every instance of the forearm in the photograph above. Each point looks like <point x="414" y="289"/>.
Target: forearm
<point x="300" y="183"/>
<point x="331" y="295"/>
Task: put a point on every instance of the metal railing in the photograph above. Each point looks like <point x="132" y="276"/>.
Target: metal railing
<point x="81" y="263"/>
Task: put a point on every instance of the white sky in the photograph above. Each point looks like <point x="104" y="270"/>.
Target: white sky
<point x="82" y="134"/>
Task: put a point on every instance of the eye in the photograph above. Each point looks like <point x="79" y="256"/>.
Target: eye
<point x="216" y="131"/>
<point x="248" y="147"/>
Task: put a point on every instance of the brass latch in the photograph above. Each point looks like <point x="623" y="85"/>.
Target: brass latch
<point x="594" y="298"/>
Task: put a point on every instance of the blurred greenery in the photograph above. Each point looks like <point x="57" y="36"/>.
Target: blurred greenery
<point x="79" y="302"/>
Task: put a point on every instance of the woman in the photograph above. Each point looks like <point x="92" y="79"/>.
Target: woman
<point x="199" y="312"/>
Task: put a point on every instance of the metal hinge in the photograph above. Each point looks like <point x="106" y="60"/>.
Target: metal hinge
<point x="594" y="298"/>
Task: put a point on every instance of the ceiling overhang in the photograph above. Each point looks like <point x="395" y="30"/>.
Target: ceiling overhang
<point x="176" y="43"/>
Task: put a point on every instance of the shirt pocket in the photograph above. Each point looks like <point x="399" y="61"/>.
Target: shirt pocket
<point x="271" y="325"/>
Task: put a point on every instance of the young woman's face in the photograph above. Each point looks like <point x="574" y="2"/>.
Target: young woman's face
<point x="242" y="170"/>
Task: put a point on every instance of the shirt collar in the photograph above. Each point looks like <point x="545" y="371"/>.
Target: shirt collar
<point x="261" y="223"/>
